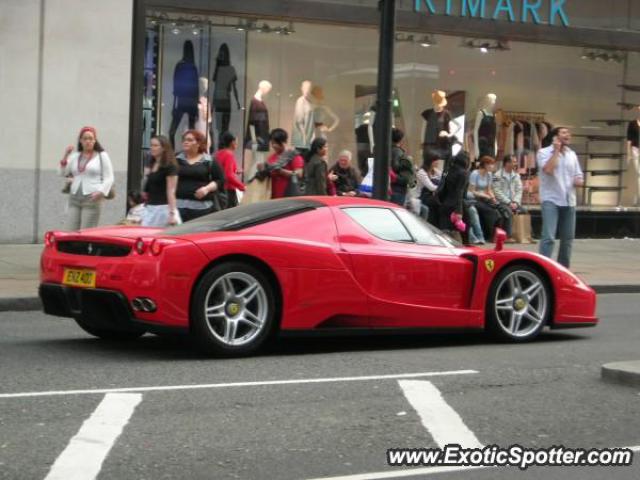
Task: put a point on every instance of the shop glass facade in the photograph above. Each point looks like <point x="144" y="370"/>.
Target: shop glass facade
<point x="202" y="71"/>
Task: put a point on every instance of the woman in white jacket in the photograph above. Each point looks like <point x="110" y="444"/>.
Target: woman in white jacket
<point x="92" y="174"/>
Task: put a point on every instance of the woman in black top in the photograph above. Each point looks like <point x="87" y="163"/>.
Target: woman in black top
<point x="456" y="181"/>
<point x="200" y="179"/>
<point x="315" y="169"/>
<point x="160" y="185"/>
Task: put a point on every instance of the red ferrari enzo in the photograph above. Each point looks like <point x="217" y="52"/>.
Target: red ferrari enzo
<point x="234" y="278"/>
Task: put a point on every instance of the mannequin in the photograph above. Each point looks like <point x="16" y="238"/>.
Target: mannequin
<point x="204" y="114"/>
<point x="257" y="135"/>
<point x="185" y="91"/>
<point x="302" y="132"/>
<point x="322" y="114"/>
<point x="365" y="140"/>
<point x="224" y="79"/>
<point x="485" y="128"/>
<point x="633" y="152"/>
<point x="437" y="134"/>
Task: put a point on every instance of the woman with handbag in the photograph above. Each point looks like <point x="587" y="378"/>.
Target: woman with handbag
<point x="200" y="179"/>
<point x="227" y="160"/>
<point x="92" y="182"/>
<point x="285" y="166"/>
<point x="160" y="185"/>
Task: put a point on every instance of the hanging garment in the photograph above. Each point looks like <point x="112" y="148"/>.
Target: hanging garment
<point x="487" y="135"/>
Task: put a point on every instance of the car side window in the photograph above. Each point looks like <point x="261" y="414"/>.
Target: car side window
<point x="380" y="222"/>
<point x="422" y="231"/>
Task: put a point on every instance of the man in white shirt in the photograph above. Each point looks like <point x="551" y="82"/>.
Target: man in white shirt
<point x="560" y="174"/>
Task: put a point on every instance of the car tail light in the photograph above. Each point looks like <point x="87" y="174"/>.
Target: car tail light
<point x="140" y="246"/>
<point x="158" y="245"/>
<point x="50" y="239"/>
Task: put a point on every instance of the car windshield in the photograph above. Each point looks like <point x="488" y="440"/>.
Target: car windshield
<point x="245" y="216"/>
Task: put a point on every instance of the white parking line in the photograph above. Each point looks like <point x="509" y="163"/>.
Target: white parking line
<point x="401" y="473"/>
<point x="443" y="422"/>
<point x="83" y="457"/>
<point x="236" y="384"/>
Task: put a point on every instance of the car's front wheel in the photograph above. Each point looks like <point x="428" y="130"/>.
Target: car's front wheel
<point x="233" y="309"/>
<point x="519" y="304"/>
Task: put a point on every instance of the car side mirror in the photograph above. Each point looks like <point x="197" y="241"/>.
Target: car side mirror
<point x="501" y="236"/>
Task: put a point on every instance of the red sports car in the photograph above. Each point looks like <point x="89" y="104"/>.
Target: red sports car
<point x="233" y="278"/>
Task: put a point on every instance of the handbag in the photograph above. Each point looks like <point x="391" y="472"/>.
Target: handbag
<point x="522" y="228"/>
<point x="112" y="191"/>
<point x="66" y="189"/>
<point x="293" y="187"/>
<point x="257" y="191"/>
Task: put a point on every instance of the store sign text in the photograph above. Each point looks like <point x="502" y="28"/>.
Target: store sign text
<point x="534" y="11"/>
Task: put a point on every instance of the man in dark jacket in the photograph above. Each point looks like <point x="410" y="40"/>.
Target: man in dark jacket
<point x="402" y="166"/>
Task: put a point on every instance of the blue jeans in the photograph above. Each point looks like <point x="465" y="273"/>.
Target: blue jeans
<point x="560" y="221"/>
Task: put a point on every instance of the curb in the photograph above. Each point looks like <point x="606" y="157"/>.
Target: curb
<point x="27" y="304"/>
<point x="626" y="373"/>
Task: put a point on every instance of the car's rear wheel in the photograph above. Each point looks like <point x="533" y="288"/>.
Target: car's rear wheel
<point x="519" y="304"/>
<point x="233" y="309"/>
<point x="108" y="334"/>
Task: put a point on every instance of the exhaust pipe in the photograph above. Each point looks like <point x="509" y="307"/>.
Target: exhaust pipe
<point x="143" y="304"/>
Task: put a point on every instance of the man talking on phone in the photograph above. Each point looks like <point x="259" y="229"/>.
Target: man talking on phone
<point x="560" y="174"/>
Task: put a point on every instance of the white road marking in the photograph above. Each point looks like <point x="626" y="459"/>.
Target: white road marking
<point x="443" y="422"/>
<point x="83" y="457"/>
<point x="236" y="384"/>
<point x="401" y="473"/>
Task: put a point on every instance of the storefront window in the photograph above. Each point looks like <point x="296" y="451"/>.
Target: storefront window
<point x="252" y="75"/>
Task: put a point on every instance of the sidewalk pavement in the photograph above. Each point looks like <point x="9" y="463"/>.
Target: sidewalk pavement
<point x="609" y="266"/>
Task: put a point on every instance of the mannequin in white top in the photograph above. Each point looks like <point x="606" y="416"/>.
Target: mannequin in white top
<point x="633" y="154"/>
<point x="257" y="135"/>
<point x="203" y="124"/>
<point x="322" y="114"/>
<point x="485" y="129"/>
<point x="302" y="132"/>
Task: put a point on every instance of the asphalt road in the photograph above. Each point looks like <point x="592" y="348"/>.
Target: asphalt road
<point x="541" y="394"/>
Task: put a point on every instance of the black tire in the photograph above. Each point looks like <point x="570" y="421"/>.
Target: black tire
<point x="210" y="333"/>
<point x="109" y="334"/>
<point x="509" y="301"/>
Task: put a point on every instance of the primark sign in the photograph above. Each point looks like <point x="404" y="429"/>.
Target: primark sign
<point x="551" y="12"/>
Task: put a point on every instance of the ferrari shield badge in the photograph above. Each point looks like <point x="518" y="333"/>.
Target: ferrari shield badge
<point x="489" y="265"/>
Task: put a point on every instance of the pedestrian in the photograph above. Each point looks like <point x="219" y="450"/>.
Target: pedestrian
<point x="160" y="185"/>
<point x="227" y="160"/>
<point x="507" y="186"/>
<point x="450" y="197"/>
<point x="283" y="165"/>
<point x="560" y="174"/>
<point x="347" y="178"/>
<point x="403" y="167"/>
<point x="200" y="179"/>
<point x="92" y="172"/>
<point x="316" y="170"/>
<point x="481" y="187"/>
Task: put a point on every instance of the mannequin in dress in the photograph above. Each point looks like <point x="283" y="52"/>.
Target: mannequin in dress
<point x="225" y="79"/>
<point x="633" y="153"/>
<point x="185" y="91"/>
<point x="257" y="135"/>
<point x="322" y="114"/>
<point x="203" y="124"/>
<point x="302" y="132"/>
<point x="437" y="132"/>
<point x="485" y="128"/>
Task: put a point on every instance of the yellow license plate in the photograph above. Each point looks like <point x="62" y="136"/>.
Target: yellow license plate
<point x="79" y="278"/>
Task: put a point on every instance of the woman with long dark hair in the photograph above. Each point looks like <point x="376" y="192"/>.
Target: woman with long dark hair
<point x="160" y="185"/>
<point x="92" y="172"/>
<point x="227" y="160"/>
<point x="450" y="197"/>
<point x="224" y="80"/>
<point x="200" y="178"/>
<point x="316" y="169"/>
